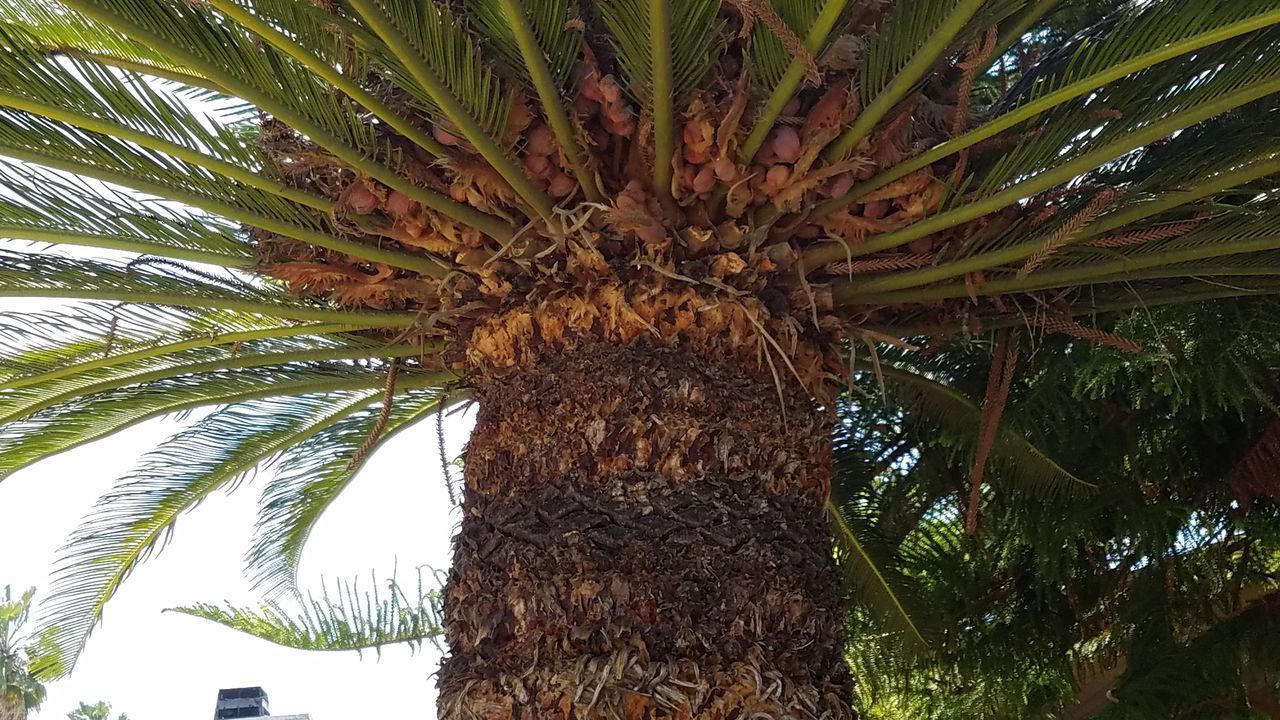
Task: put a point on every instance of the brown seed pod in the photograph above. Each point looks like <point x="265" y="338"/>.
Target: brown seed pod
<point x="538" y="166"/>
<point x="585" y="107"/>
<point x="400" y="206"/>
<point x="705" y="180"/>
<point x="695" y="156"/>
<point x="360" y="199"/>
<point x="776" y="178"/>
<point x="591" y="87"/>
<point x="610" y="91"/>
<point x="785" y="142"/>
<point x="725" y="168"/>
<point x="687" y="174"/>
<point x="541" y="141"/>
<point x="875" y="209"/>
<point x="561" y="185"/>
<point x="808" y="232"/>
<point x="445" y="137"/>
<point x="839" y="185"/>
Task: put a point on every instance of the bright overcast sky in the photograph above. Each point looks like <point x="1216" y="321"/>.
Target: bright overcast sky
<point x="162" y="666"/>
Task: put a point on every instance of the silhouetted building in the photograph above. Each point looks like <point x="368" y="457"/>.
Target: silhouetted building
<point x="249" y="702"/>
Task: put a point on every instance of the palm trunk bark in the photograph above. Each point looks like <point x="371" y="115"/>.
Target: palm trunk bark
<point x="643" y="537"/>
<point x="12" y="708"/>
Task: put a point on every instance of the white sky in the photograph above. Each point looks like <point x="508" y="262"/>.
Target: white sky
<point x="162" y="666"/>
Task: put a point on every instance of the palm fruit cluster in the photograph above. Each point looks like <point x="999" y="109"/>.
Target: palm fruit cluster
<point x="724" y="225"/>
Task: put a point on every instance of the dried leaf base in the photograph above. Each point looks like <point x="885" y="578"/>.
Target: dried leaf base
<point x="643" y="538"/>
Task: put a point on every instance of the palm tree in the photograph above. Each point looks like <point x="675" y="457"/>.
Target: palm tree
<point x="651" y="238"/>
<point x="20" y="692"/>
<point x="97" y="711"/>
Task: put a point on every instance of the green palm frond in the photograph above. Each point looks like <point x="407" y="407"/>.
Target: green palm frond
<point x="73" y="424"/>
<point x="1137" y="40"/>
<point x="427" y="40"/>
<point x="153" y="283"/>
<point x="273" y="82"/>
<point x="665" y="48"/>
<point x="691" y="44"/>
<point x="875" y="585"/>
<point x="342" y="619"/>
<point x="121" y="105"/>
<point x="528" y="35"/>
<point x="134" y="520"/>
<point x="1020" y="462"/>
<point x="1105" y="127"/>
<point x="308" y="37"/>
<point x="41" y="141"/>
<point x="23" y="402"/>
<point x="63" y="32"/>
<point x="549" y="22"/>
<point x="310" y="477"/>
<point x="776" y="72"/>
<point x="87" y="336"/>
<point x="444" y="62"/>
<point x="916" y="37"/>
<point x="58" y="209"/>
<point x="1124" y="116"/>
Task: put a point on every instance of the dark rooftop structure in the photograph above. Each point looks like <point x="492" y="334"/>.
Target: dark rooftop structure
<point x="249" y="702"/>
<point x="246" y="702"/>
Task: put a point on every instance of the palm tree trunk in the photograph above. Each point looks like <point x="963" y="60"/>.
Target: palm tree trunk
<point x="12" y="708"/>
<point x="643" y="537"/>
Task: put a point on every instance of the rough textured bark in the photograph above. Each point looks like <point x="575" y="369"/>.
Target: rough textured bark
<point x="12" y="708"/>
<point x="643" y="538"/>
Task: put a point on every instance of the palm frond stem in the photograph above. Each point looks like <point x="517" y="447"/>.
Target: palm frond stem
<point x="847" y="540"/>
<point x="123" y="243"/>
<point x="133" y="66"/>
<point x="1211" y="185"/>
<point x="471" y="129"/>
<point x="664" y="98"/>
<point x="415" y="381"/>
<point x="906" y="79"/>
<point x="365" y="319"/>
<point x="832" y="252"/>
<point x="417" y="263"/>
<point x="356" y="158"/>
<point x="848" y="293"/>
<point x="549" y="93"/>
<point x="1045" y="103"/>
<point x="182" y="152"/>
<point x="233" y="363"/>
<point x="160" y="350"/>
<point x="330" y="74"/>
<point x="1105" y="224"/>
<point x="790" y="82"/>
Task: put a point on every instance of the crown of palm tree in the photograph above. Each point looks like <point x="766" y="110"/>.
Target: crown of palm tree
<point x="334" y="211"/>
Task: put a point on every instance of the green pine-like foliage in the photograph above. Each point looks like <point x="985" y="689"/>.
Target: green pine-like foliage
<point x="1152" y="595"/>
